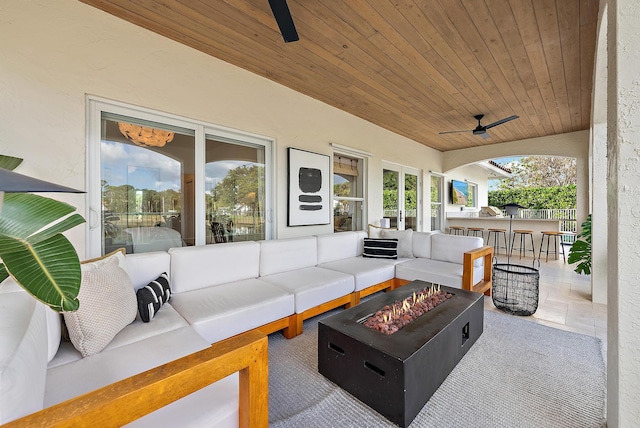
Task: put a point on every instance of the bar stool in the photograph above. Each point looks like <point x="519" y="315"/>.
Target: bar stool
<point x="556" y="237"/>
<point x="523" y="242"/>
<point x="475" y="230"/>
<point x="496" y="239"/>
<point x="456" y="230"/>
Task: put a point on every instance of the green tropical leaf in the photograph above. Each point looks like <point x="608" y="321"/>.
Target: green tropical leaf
<point x="24" y="214"/>
<point x="580" y="251"/>
<point x="9" y="162"/>
<point x="34" y="251"/>
<point x="49" y="270"/>
<point x="4" y="274"/>
<point x="62" y="226"/>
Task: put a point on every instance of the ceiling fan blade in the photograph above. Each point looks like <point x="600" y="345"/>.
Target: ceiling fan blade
<point x="453" y="132"/>
<point x="501" y="121"/>
<point x="284" y="20"/>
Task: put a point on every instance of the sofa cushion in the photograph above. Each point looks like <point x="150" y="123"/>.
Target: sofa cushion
<point x="360" y="235"/>
<point x="223" y="311"/>
<point x="436" y="271"/>
<point x="451" y="248"/>
<point x="283" y="255"/>
<point x="203" y="266"/>
<point x="111" y="365"/>
<point x="367" y="272"/>
<point x="143" y="268"/>
<point x="54" y="332"/>
<point x="23" y="354"/>
<point x="107" y="305"/>
<point x="167" y="319"/>
<point x="421" y="242"/>
<point x="313" y="286"/>
<point x="152" y="296"/>
<point x="380" y="248"/>
<point x="338" y="246"/>
<point x="119" y="254"/>
<point x="405" y="241"/>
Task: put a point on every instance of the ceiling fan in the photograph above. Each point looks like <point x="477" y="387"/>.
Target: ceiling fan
<point x="284" y="20"/>
<point x="482" y="130"/>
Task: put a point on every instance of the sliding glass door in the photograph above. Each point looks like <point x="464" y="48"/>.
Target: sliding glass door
<point x="158" y="182"/>
<point x="234" y="191"/>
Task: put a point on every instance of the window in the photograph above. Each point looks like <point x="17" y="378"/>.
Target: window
<point x="436" y="202"/>
<point x="158" y="181"/>
<point x="348" y="193"/>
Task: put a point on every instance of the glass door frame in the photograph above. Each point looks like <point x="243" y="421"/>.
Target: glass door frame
<point x="403" y="171"/>
<point x="97" y="105"/>
<point x="440" y="203"/>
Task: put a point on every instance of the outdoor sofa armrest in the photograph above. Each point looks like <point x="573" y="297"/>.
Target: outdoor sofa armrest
<point x="129" y="399"/>
<point x="484" y="286"/>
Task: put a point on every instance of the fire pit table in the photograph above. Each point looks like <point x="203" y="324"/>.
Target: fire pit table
<point x="397" y="374"/>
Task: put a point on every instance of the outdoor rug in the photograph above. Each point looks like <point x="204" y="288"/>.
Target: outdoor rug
<point x="518" y="374"/>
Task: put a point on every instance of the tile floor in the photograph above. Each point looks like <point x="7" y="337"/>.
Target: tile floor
<point x="564" y="299"/>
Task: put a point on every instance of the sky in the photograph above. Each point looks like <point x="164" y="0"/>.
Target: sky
<point x="146" y="169"/>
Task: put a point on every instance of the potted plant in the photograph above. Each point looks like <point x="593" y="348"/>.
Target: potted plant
<point x="33" y="250"/>
<point x="580" y="251"/>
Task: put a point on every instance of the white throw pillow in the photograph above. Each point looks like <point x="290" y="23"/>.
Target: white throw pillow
<point x="376" y="231"/>
<point x="107" y="304"/>
<point x="405" y="241"/>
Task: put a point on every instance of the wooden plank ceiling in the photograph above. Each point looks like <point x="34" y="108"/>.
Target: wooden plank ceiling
<point x="414" y="67"/>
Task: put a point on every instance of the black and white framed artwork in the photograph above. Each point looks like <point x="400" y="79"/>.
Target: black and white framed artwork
<point x="309" y="195"/>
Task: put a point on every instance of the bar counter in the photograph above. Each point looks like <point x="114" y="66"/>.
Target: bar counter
<point x="537" y="225"/>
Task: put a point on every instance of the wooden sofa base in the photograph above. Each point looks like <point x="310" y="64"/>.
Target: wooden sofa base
<point x="296" y="320"/>
<point x="484" y="286"/>
<point x="292" y="326"/>
<point x="385" y="285"/>
<point x="295" y="324"/>
<point x="129" y="399"/>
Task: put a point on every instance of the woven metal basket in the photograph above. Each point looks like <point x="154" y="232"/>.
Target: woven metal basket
<point x="515" y="288"/>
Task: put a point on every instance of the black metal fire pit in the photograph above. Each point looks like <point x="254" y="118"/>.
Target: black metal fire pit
<point x="397" y="374"/>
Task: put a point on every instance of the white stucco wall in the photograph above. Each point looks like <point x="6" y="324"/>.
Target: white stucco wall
<point x="470" y="173"/>
<point x="623" y="187"/>
<point x="54" y="52"/>
<point x="598" y="167"/>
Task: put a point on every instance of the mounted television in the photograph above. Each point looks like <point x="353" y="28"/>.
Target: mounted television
<point x="459" y="192"/>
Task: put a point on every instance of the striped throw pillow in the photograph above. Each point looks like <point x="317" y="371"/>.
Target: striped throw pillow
<point x="152" y="296"/>
<point x="380" y="248"/>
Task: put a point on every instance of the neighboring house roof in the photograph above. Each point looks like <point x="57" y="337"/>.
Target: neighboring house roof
<point x="495" y="169"/>
<point x="502" y="167"/>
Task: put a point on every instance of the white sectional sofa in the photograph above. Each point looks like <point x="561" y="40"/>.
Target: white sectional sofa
<point x="230" y="295"/>
<point x="217" y="290"/>
<point x="438" y="259"/>
<point x="39" y="370"/>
